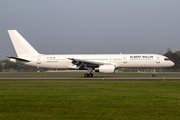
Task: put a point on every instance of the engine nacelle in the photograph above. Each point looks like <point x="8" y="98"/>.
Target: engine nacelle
<point x="106" y="69"/>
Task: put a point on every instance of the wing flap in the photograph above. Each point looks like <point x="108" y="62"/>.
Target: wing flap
<point x="80" y="62"/>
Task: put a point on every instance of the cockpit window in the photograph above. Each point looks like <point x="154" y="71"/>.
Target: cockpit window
<point x="166" y="59"/>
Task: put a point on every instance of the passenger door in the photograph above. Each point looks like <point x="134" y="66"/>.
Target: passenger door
<point x="38" y="60"/>
<point x="157" y="59"/>
<point x="124" y="59"/>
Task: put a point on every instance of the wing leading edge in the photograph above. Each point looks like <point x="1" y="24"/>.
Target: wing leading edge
<point x="85" y="63"/>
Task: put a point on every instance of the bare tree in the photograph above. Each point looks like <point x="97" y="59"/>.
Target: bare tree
<point x="168" y="53"/>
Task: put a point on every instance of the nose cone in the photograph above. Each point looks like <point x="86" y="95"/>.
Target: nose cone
<point x="171" y="63"/>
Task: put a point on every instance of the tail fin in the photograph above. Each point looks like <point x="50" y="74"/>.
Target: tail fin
<point x="22" y="47"/>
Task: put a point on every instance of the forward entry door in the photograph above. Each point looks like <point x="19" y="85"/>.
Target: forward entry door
<point x="157" y="60"/>
<point x="124" y="59"/>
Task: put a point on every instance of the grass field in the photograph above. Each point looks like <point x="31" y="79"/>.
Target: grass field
<point x="81" y="74"/>
<point x="140" y="100"/>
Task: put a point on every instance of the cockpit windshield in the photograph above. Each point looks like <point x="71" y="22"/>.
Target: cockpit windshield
<point x="166" y="59"/>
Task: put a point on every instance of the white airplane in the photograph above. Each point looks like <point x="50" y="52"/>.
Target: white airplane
<point x="102" y="63"/>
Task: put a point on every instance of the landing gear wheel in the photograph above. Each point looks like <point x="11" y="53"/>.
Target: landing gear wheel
<point x="153" y="75"/>
<point x="90" y="75"/>
<point x="86" y="75"/>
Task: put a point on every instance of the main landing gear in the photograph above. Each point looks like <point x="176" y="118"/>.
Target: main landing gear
<point x="88" y="75"/>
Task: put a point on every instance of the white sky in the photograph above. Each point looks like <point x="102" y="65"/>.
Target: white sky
<point x="93" y="26"/>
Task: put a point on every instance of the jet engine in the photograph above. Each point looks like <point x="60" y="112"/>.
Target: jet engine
<point x="106" y="69"/>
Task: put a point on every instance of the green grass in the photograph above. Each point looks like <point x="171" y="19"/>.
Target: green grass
<point x="140" y="100"/>
<point x="81" y="74"/>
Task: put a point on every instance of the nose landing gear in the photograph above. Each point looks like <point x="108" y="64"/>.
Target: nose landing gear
<point x="153" y="75"/>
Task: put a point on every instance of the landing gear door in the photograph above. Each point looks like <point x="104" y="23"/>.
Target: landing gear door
<point x="38" y="60"/>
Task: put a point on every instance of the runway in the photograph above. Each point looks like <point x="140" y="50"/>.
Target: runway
<point x="93" y="78"/>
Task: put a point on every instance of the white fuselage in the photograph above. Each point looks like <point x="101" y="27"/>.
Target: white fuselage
<point x="102" y="63"/>
<point x="119" y="60"/>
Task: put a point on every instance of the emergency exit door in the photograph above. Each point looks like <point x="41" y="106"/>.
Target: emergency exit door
<point x="39" y="60"/>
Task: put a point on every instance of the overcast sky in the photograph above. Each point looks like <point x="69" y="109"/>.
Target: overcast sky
<point x="93" y="26"/>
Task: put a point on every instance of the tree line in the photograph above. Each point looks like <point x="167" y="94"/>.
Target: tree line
<point x="175" y="57"/>
<point x="8" y="66"/>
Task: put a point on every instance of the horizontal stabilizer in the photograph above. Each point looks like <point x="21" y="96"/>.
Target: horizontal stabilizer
<point x="21" y="59"/>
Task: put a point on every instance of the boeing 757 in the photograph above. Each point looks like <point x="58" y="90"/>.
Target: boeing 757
<point x="102" y="63"/>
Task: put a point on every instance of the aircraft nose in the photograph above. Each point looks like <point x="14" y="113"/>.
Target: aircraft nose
<point x="172" y="63"/>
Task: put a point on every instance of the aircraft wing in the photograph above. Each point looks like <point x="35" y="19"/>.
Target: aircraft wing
<point x="85" y="63"/>
<point x="21" y="59"/>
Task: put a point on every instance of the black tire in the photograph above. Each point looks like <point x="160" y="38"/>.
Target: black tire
<point x="153" y="75"/>
<point x="86" y="75"/>
<point x="90" y="75"/>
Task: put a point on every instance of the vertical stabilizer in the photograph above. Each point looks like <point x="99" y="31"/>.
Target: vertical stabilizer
<point x="21" y="46"/>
